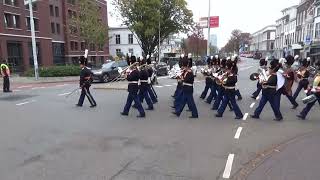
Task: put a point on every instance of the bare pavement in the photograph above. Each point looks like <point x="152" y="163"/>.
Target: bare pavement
<point x="44" y="136"/>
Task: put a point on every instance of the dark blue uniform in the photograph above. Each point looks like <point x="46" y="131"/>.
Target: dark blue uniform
<point x="209" y="82"/>
<point x="143" y="93"/>
<point x="85" y="83"/>
<point x="133" y="89"/>
<point x="150" y="89"/>
<point x="229" y="85"/>
<point x="187" y="95"/>
<point x="268" y="95"/>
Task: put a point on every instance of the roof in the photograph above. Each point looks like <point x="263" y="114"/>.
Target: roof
<point x="270" y="27"/>
<point x="288" y="8"/>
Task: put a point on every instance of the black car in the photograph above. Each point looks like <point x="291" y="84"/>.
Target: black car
<point x="109" y="71"/>
<point x="161" y="69"/>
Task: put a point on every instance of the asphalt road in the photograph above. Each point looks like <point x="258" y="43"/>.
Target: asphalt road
<point x="44" y="136"/>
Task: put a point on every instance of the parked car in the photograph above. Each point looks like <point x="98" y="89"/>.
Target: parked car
<point x="162" y="69"/>
<point x="109" y="71"/>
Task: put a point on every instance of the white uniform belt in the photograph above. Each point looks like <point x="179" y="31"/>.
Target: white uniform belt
<point x="133" y="82"/>
<point x="187" y="84"/>
<point x="272" y="87"/>
<point x="229" y="87"/>
<point x="144" y="81"/>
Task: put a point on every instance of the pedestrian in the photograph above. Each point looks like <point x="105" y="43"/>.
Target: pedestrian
<point x="229" y="82"/>
<point x="263" y="66"/>
<point x="5" y="73"/>
<point x="187" y="97"/>
<point x="315" y="90"/>
<point x="269" y="86"/>
<point x="133" y="76"/>
<point x="303" y="74"/>
<point x="85" y="83"/>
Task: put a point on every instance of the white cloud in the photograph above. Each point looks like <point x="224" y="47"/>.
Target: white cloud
<point x="246" y="15"/>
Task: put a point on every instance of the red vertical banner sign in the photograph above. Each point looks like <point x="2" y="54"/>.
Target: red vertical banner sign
<point x="214" y="21"/>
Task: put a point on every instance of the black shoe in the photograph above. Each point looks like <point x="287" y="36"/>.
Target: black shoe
<point x="278" y="119"/>
<point x="93" y="106"/>
<point x="230" y="110"/>
<point x="202" y="97"/>
<point x="239" y="98"/>
<point x="295" y="106"/>
<point x="254" y="117"/>
<point x="176" y="114"/>
<point x="208" y="102"/>
<point x="134" y="106"/>
<point x="173" y="96"/>
<point x="301" y="117"/>
<point x="141" y="116"/>
<point x="238" y="117"/>
<point x="78" y="105"/>
<point x="193" y="117"/>
<point x="173" y="107"/>
<point x="188" y="110"/>
<point x="150" y="109"/>
<point x="124" y="114"/>
<point x="218" y="115"/>
<point x="155" y="102"/>
<point x="214" y="109"/>
<point x="254" y="97"/>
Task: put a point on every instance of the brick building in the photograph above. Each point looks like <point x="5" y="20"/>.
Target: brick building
<point x="57" y="41"/>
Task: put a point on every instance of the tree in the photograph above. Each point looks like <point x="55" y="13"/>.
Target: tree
<point x="88" y="22"/>
<point x="237" y="39"/>
<point x="196" y="44"/>
<point x="143" y="16"/>
<point x="213" y="49"/>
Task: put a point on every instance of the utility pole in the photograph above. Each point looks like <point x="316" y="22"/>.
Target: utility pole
<point x="34" y="45"/>
<point x="208" y="43"/>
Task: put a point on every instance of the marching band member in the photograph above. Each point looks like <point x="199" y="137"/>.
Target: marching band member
<point x="263" y="66"/>
<point x="179" y="82"/>
<point x="316" y="92"/>
<point x="187" y="97"/>
<point x="288" y="74"/>
<point x="85" y="83"/>
<point x="213" y="86"/>
<point x="133" y="77"/>
<point x="229" y="85"/>
<point x="144" y="83"/>
<point x="303" y="74"/>
<point x="150" y="89"/>
<point x="268" y="93"/>
<point x="235" y="60"/>
<point x="207" y="74"/>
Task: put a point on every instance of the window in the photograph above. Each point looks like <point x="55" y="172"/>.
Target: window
<point x="118" y="40"/>
<point x="56" y="11"/>
<point x="92" y="47"/>
<point x="34" y="6"/>
<point x="73" y="2"/>
<point x="83" y="46"/>
<point x="317" y="31"/>
<point x="53" y="30"/>
<point x="38" y="50"/>
<point x="11" y="20"/>
<point x="272" y="46"/>
<point x="73" y="45"/>
<point x="76" y="47"/>
<point x="100" y="47"/>
<point x="131" y="51"/>
<point x="318" y="11"/>
<point x="58" y="28"/>
<point x="36" y="24"/>
<point x="118" y="52"/>
<point x="11" y="2"/>
<point x="51" y="10"/>
<point x="130" y="38"/>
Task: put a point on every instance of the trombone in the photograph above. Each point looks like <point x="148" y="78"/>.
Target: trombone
<point x="119" y="78"/>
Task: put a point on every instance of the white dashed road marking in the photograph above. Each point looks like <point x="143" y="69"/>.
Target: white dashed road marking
<point x="237" y="135"/>
<point x="168" y="85"/>
<point x="38" y="88"/>
<point x="64" y="94"/>
<point x="23" y="87"/>
<point x="246" y="68"/>
<point x="228" y="168"/>
<point x="159" y="86"/>
<point x="61" y="85"/>
<point x="16" y="90"/>
<point x="252" y="105"/>
<point x="163" y="77"/>
<point x="245" y="116"/>
<point x="24" y="103"/>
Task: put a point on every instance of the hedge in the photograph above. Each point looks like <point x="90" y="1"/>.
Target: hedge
<point x="56" y="71"/>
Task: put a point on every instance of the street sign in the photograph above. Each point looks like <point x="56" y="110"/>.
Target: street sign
<point x="308" y="41"/>
<point x="214" y="21"/>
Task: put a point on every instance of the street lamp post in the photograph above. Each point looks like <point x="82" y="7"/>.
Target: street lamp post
<point x="208" y="43"/>
<point x="33" y="37"/>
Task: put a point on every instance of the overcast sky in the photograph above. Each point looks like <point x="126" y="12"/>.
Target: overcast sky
<point x="246" y="15"/>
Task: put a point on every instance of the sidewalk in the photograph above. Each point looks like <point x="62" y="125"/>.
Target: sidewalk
<point x="296" y="161"/>
<point x="31" y="80"/>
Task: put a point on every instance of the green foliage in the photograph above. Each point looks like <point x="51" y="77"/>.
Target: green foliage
<point x="237" y="38"/>
<point x="88" y="21"/>
<point x="55" y="71"/>
<point x="143" y="17"/>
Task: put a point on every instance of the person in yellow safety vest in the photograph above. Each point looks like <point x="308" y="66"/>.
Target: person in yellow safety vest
<point x="5" y="73"/>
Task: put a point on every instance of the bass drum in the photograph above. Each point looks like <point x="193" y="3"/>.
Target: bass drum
<point x="281" y="80"/>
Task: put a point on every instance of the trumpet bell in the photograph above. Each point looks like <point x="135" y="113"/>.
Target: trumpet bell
<point x="254" y="76"/>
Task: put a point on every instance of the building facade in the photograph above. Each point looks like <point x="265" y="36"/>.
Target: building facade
<point x="122" y="41"/>
<point x="285" y="42"/>
<point x="263" y="41"/>
<point x="214" y="40"/>
<point x="55" y="43"/>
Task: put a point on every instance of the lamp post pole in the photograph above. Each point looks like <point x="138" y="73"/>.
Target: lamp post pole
<point x="208" y="43"/>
